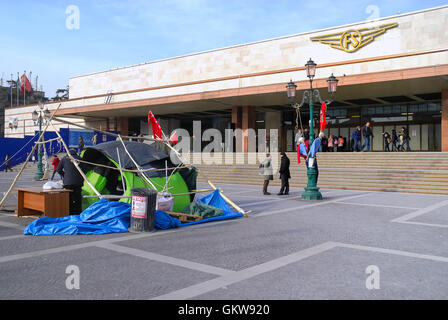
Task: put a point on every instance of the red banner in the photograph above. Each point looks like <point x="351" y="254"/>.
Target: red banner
<point x="323" y="116"/>
<point x="156" y="130"/>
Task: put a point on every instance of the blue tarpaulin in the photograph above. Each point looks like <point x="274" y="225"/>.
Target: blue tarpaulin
<point x="99" y="218"/>
<point x="214" y="199"/>
<point x="114" y="217"/>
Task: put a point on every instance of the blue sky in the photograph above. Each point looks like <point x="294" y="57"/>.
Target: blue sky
<point x="114" y="34"/>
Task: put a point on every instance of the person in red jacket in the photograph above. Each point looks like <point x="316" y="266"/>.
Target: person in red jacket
<point x="55" y="164"/>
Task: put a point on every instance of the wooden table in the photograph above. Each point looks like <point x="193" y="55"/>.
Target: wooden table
<point x="53" y="203"/>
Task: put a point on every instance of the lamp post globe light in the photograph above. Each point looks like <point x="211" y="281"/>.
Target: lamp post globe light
<point x="38" y="118"/>
<point x="309" y="96"/>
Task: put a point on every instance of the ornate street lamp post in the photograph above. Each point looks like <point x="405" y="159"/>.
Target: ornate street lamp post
<point x="38" y="118"/>
<point x="309" y="96"/>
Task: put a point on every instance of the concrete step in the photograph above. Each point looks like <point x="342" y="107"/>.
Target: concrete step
<point x="345" y="182"/>
<point x="323" y="185"/>
<point x="340" y="187"/>
<point x="362" y="172"/>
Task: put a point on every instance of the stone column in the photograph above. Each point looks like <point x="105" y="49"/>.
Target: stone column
<point x="243" y="118"/>
<point x="237" y="124"/>
<point x="248" y="122"/>
<point x="444" y="108"/>
<point x="123" y="126"/>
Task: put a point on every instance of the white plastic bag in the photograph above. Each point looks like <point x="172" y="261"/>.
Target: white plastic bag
<point x="52" y="185"/>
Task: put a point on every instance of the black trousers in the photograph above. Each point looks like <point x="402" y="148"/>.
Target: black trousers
<point x="285" y="184"/>
<point x="75" y="199"/>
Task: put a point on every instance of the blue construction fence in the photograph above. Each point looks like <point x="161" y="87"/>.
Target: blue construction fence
<point x="19" y="148"/>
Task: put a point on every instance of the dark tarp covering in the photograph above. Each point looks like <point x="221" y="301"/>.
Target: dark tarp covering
<point x="215" y="199"/>
<point x="142" y="153"/>
<point x="202" y="210"/>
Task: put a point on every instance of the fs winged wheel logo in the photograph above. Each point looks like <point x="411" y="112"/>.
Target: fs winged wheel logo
<point x="353" y="39"/>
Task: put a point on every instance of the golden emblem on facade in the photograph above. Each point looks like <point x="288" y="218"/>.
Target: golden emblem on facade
<point x="353" y="39"/>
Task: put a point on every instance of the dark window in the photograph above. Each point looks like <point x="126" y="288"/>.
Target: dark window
<point x="423" y="108"/>
<point x="396" y="109"/>
<point x="413" y="108"/>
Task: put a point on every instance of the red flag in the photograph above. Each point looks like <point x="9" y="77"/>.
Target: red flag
<point x="323" y="117"/>
<point x="25" y="84"/>
<point x="174" y="139"/>
<point x="156" y="130"/>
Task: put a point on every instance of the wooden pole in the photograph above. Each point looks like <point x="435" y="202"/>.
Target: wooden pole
<point x="143" y="176"/>
<point x="228" y="200"/>
<point x="28" y="158"/>
<point x="106" y="132"/>
<point x="75" y="163"/>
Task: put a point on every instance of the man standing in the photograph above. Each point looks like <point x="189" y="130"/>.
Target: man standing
<point x="80" y="144"/>
<point x="387" y="141"/>
<point x="367" y="134"/>
<point x="356" y="139"/>
<point x="285" y="174"/>
<point x="395" y="139"/>
<point x="72" y="180"/>
<point x="406" y="138"/>
<point x="7" y="159"/>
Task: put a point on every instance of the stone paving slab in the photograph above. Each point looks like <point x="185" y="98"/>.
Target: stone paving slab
<point x="287" y="248"/>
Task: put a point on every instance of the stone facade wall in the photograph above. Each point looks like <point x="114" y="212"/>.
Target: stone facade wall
<point x="421" y="31"/>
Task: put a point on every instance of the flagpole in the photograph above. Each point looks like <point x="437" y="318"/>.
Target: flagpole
<point x="17" y="85"/>
<point x="10" y="89"/>
<point x="24" y="89"/>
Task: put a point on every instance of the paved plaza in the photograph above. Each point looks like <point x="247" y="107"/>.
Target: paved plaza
<point x="351" y="245"/>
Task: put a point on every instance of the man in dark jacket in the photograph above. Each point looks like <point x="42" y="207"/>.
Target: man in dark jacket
<point x="285" y="175"/>
<point x="395" y="139"/>
<point x="367" y="134"/>
<point x="405" y="134"/>
<point x="356" y="139"/>
<point x="72" y="180"/>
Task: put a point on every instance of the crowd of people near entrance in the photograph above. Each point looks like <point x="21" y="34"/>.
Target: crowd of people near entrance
<point x="360" y="140"/>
